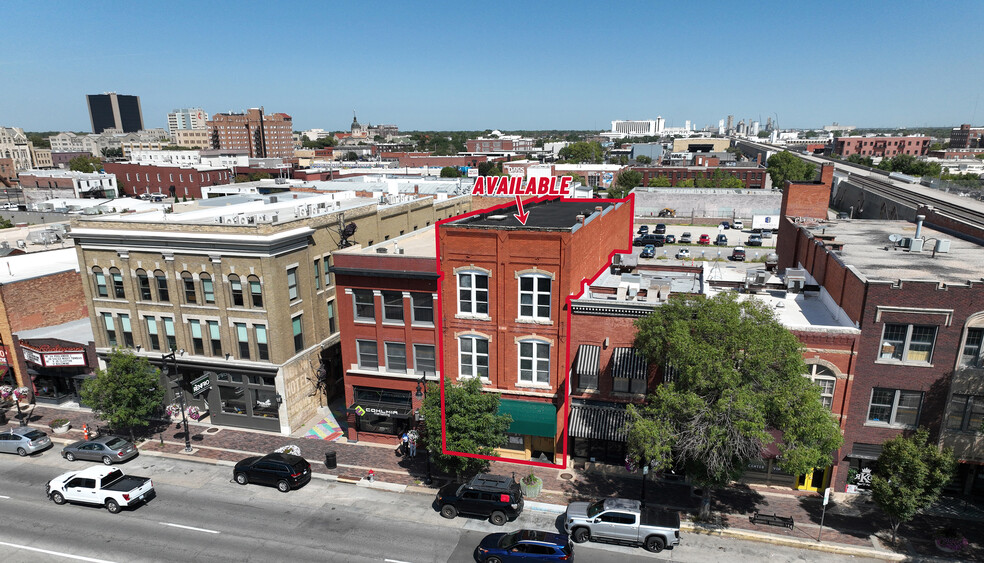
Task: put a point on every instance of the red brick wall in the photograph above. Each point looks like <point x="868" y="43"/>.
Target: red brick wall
<point x="32" y="181"/>
<point x="880" y="146"/>
<point x="44" y="301"/>
<point x="143" y="178"/>
<point x="752" y="177"/>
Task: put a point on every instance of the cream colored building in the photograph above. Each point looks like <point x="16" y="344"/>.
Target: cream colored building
<point x="15" y="145"/>
<point x="192" y="138"/>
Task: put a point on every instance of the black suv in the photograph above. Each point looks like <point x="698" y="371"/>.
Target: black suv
<point x="494" y="497"/>
<point x="286" y="471"/>
<point x="655" y="240"/>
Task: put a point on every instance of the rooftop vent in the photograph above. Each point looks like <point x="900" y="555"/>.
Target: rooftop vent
<point x="498" y="217"/>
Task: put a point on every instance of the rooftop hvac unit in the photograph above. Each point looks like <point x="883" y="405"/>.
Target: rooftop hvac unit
<point x="943" y="245"/>
<point x="916" y="244"/>
<point x="795" y="279"/>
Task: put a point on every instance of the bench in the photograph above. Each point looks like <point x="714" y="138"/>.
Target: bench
<point x="772" y="520"/>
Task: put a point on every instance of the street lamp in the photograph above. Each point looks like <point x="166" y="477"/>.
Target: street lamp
<point x="184" y="415"/>
<point x="421" y="393"/>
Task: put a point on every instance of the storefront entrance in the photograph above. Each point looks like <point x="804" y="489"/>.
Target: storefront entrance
<point x="234" y="398"/>
<point x="381" y="411"/>
<point x="56" y="369"/>
<point x="597" y="432"/>
<point x="816" y="480"/>
<point x="532" y="433"/>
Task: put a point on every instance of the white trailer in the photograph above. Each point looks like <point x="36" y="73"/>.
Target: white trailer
<point x="765" y="222"/>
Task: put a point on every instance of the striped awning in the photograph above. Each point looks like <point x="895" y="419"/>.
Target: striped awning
<point x="598" y="423"/>
<point x="588" y="360"/>
<point x="628" y="363"/>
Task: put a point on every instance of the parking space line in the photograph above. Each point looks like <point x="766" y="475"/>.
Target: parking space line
<point x="190" y="528"/>
<point x="57" y="553"/>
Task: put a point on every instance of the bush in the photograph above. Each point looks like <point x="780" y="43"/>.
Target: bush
<point x="58" y="422"/>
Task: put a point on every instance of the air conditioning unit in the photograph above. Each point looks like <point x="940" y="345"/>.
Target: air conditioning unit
<point x="916" y="244"/>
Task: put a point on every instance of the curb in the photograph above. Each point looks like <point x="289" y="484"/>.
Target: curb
<point x="840" y="549"/>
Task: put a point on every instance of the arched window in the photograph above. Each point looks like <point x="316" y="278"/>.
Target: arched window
<point x="826" y="380"/>
<point x="208" y="289"/>
<point x="236" y="287"/>
<point x="473" y="356"/>
<point x="143" y="285"/>
<point x="534" y="362"/>
<point x="100" y="278"/>
<point x="162" y="292"/>
<point x="473" y="293"/>
<point x="117" y="277"/>
<point x="255" y="291"/>
<point x="188" y="280"/>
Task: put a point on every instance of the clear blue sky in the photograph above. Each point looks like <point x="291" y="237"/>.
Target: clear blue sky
<point x="502" y="64"/>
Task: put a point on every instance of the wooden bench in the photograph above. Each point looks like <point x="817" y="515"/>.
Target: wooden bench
<point x="772" y="520"/>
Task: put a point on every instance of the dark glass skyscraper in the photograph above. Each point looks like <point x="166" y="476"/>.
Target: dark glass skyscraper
<point x="115" y="111"/>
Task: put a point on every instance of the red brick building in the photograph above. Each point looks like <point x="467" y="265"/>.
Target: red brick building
<point x="967" y="137"/>
<point x="885" y="147"/>
<point x="261" y="135"/>
<point x="172" y="181"/>
<point x="752" y="175"/>
<point x="505" y="143"/>
<point x="809" y="199"/>
<point x="386" y="303"/>
<point x="503" y="306"/>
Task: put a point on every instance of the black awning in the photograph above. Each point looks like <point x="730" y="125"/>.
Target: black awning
<point x="865" y="451"/>
<point x="628" y="363"/>
<point x="598" y="423"/>
<point x="380" y="408"/>
<point x="588" y="360"/>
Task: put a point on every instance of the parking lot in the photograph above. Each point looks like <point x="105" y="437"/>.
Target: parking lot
<point x="709" y="251"/>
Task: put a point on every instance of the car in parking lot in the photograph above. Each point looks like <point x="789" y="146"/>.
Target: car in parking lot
<point x="644" y="240"/>
<point x="725" y="225"/>
<point x="754" y="240"/>
<point x="525" y="545"/>
<point x="660" y="229"/>
<point x="285" y="471"/>
<point x="670" y="239"/>
<point x="495" y="497"/>
<point x="721" y="240"/>
<point x="644" y="229"/>
<point x="648" y="252"/>
<point x="107" y="449"/>
<point x="704" y="239"/>
<point x="683" y="254"/>
<point x="23" y="440"/>
<point x="685" y="238"/>
<point x="739" y="225"/>
<point x="738" y="254"/>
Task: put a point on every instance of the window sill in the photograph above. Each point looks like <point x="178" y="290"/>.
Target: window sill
<point x="365" y="321"/>
<point x="422" y="325"/>
<point x="903" y="363"/>
<point x="534" y="321"/>
<point x="471" y="317"/>
<point x="874" y="424"/>
<point x="296" y="302"/>
<point x="484" y="380"/>
<point x="393" y="323"/>
<point x="533" y="385"/>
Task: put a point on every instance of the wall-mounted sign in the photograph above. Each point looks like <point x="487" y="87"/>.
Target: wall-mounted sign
<point x="201" y="385"/>
<point x="32" y="356"/>
<point x="54" y="359"/>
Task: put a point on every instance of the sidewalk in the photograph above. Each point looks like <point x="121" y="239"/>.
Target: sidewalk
<point x="855" y="526"/>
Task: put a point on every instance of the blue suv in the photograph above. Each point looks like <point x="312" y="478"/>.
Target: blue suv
<point x="525" y="545"/>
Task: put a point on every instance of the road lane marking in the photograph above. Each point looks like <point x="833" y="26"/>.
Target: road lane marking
<point x="4" y="496"/>
<point x="394" y="561"/>
<point x="58" y="553"/>
<point x="190" y="528"/>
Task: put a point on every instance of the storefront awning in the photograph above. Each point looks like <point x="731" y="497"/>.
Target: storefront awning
<point x="530" y="418"/>
<point x="866" y="451"/>
<point x="598" y="423"/>
<point x="380" y="408"/>
<point x="628" y="363"/>
<point x="588" y="360"/>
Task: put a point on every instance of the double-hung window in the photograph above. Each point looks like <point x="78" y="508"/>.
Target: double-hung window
<point x="393" y="306"/>
<point x="155" y="339"/>
<point x="907" y="343"/>
<point x="473" y="357"/>
<point x="236" y="288"/>
<point x="332" y="326"/>
<point x="317" y="274"/>
<point x="396" y="357"/>
<point x="292" y="292"/>
<point x="162" y="292"/>
<point x="534" y="297"/>
<point x="423" y="308"/>
<point x="100" y="279"/>
<point x="894" y="407"/>
<point x="143" y="286"/>
<point x="242" y="337"/>
<point x="473" y="293"/>
<point x="191" y="296"/>
<point x="208" y="289"/>
<point x="966" y="413"/>
<point x="298" y="328"/>
<point x="172" y="344"/>
<point x="368" y="354"/>
<point x="117" y="283"/>
<point x="255" y="291"/>
<point x="971" y="355"/>
<point x="127" y="331"/>
<point x="534" y="362"/>
<point x="825" y="379"/>
<point x="423" y="359"/>
<point x="365" y="307"/>
<point x="262" y="350"/>
<point x="197" y="342"/>
<point x="110" y="328"/>
<point x="215" y="339"/>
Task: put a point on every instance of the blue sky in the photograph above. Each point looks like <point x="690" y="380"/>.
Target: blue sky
<point x="499" y="65"/>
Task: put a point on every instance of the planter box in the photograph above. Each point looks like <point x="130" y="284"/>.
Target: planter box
<point x="60" y="429"/>
<point x="531" y="491"/>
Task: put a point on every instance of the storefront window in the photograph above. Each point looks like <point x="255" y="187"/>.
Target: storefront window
<point x="232" y="399"/>
<point x="379" y="424"/>
<point x="515" y="442"/>
<point x="264" y="402"/>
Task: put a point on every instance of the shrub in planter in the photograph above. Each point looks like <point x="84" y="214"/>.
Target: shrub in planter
<point x="950" y="540"/>
<point x="288" y="449"/>
<point x="60" y="425"/>
<point x="531" y="485"/>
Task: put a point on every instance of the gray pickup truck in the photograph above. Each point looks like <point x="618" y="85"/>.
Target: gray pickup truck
<point x="623" y="521"/>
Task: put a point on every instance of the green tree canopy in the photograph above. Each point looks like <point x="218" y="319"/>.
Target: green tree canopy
<point x="450" y="172"/>
<point x="862" y="160"/>
<point x="643" y="159"/>
<point x="85" y="164"/>
<point x="490" y="169"/>
<point x="720" y="179"/>
<point x="329" y="141"/>
<point x="582" y="152"/>
<point x="911" y="475"/>
<point x="786" y="166"/>
<point x="626" y="181"/>
<point x="909" y="164"/>
<point x="659" y="182"/>
<point x="688" y="183"/>
<point x="351" y="156"/>
<point x="738" y="373"/>
<point x="472" y="425"/>
<point x="127" y="393"/>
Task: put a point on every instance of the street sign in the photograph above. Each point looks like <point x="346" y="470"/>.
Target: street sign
<point x="201" y="385"/>
<point x="826" y="496"/>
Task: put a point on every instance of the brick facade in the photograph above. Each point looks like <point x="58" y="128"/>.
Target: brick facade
<point x="149" y="178"/>
<point x="751" y="176"/>
<point x="885" y="147"/>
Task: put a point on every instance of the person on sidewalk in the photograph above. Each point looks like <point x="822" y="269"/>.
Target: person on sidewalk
<point x="412" y="442"/>
<point x="405" y="441"/>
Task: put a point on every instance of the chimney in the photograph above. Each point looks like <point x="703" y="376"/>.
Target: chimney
<point x="919" y="222"/>
<point x="598" y="209"/>
<point x="827" y="175"/>
<point x="580" y="219"/>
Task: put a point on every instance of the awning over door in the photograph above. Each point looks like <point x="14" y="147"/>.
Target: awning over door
<point x="629" y="363"/>
<point x="598" y="423"/>
<point x="530" y="418"/>
<point x="588" y="360"/>
<point x="866" y="451"/>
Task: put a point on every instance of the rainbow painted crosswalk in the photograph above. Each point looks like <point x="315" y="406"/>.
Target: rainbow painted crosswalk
<point x="327" y="429"/>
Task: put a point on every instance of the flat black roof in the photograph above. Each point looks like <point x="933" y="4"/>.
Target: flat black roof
<point x="551" y="215"/>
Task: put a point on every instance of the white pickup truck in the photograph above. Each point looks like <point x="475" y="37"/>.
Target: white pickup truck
<point x="101" y="486"/>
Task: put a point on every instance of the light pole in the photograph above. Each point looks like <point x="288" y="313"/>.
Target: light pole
<point x="184" y="415"/>
<point x="421" y="394"/>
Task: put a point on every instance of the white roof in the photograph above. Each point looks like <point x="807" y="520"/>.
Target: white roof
<point x="37" y="264"/>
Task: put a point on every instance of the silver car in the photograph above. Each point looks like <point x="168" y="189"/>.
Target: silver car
<point x="23" y="440"/>
<point x="107" y="449"/>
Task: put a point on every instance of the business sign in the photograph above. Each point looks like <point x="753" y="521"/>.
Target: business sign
<point x="3" y="355"/>
<point x="63" y="359"/>
<point x="382" y="412"/>
<point x="518" y="186"/>
<point x="473" y="172"/>
<point x="201" y="385"/>
<point x="607" y="178"/>
<point x="32" y="356"/>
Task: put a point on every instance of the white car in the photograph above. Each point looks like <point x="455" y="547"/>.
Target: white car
<point x="738" y="225"/>
<point x="683" y="254"/>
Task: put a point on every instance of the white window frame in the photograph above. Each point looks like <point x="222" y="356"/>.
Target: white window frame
<point x="414" y="307"/>
<point x="817" y="377"/>
<point x="535" y="362"/>
<point x="897" y="394"/>
<point x="535" y="294"/>
<point x="395" y="345"/>
<point x="472" y="291"/>
<point x="474" y="355"/>
<point x="386" y="308"/>
<point x="293" y="292"/>
<point x="906" y="344"/>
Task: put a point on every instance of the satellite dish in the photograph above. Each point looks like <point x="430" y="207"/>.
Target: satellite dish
<point x="895" y="238"/>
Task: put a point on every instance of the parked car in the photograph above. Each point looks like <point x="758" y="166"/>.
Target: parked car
<point x="107" y="449"/>
<point x="754" y="240"/>
<point x="23" y="440"/>
<point x="623" y="521"/>
<point x="525" y="545"/>
<point x="655" y="240"/>
<point x="495" y="497"/>
<point x="660" y="229"/>
<point x="725" y="225"/>
<point x="721" y="240"/>
<point x="670" y="239"/>
<point x="738" y="254"/>
<point x="704" y="239"/>
<point x="644" y="229"/>
<point x="101" y="486"/>
<point x="648" y="252"/>
<point x="739" y="225"/>
<point x="685" y="238"/>
<point x="285" y="471"/>
<point x="683" y="254"/>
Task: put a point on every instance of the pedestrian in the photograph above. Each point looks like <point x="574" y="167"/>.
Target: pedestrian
<point x="405" y="440"/>
<point x="413" y="443"/>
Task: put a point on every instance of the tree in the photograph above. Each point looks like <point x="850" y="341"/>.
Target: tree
<point x="127" y="393"/>
<point x="738" y="373"/>
<point x="112" y="153"/>
<point x="450" y="172"/>
<point x="643" y="159"/>
<point x="351" y="156"/>
<point x="660" y="181"/>
<point x="626" y="180"/>
<point x="720" y="179"/>
<point x="490" y="169"/>
<point x="688" y="183"/>
<point x="581" y="152"/>
<point x="863" y="160"/>
<point x="575" y="177"/>
<point x="85" y="164"/>
<point x="472" y="425"/>
<point x="763" y="134"/>
<point x="785" y="166"/>
<point x="911" y="475"/>
<point x="5" y="223"/>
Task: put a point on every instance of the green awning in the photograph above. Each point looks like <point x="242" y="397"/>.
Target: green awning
<point x="530" y="418"/>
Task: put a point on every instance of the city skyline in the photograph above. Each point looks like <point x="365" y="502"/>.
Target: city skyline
<point x="437" y="68"/>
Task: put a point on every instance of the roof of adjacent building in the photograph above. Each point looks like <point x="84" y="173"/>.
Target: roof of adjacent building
<point x="551" y="215"/>
<point x="420" y="243"/>
<point x="37" y="264"/>
<point x="73" y="331"/>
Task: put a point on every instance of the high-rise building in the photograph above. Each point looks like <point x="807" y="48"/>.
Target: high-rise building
<point x="262" y="135"/>
<point x="186" y="118"/>
<point x="115" y="111"/>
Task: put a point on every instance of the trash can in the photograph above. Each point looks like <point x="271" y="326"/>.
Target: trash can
<point x="330" y="459"/>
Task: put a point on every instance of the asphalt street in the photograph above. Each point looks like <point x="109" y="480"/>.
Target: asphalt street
<point x="201" y="515"/>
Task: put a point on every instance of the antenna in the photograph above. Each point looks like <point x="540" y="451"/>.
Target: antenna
<point x="894" y="237"/>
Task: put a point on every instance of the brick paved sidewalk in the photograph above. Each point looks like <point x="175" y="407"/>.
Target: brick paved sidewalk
<point x="853" y="523"/>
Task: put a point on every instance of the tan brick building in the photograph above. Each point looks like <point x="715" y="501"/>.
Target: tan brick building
<point x="242" y="292"/>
